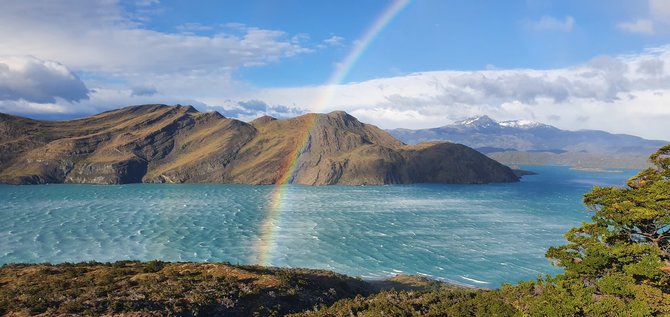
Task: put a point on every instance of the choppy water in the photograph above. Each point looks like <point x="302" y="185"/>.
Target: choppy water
<point x="480" y="235"/>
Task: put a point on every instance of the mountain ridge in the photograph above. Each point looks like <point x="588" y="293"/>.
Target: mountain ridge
<point x="530" y="142"/>
<point x="178" y="144"/>
<point x="480" y="123"/>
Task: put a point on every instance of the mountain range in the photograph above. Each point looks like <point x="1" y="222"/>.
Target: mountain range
<point x="178" y="144"/>
<point x="530" y="142"/>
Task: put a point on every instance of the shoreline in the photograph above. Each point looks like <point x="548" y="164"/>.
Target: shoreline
<point x="595" y="169"/>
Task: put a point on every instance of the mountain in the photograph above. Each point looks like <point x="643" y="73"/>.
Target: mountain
<point x="178" y="144"/>
<point x="530" y="142"/>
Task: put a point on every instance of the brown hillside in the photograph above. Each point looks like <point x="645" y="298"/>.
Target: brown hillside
<point x="158" y="143"/>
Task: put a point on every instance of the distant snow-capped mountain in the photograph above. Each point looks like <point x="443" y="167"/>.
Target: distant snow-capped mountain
<point x="522" y="124"/>
<point x="489" y="135"/>
<point x="485" y="122"/>
<point x="477" y="123"/>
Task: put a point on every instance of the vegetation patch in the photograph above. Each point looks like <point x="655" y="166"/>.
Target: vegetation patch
<point x="157" y="288"/>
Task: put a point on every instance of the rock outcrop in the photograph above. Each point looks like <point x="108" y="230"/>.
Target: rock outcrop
<point x="178" y="144"/>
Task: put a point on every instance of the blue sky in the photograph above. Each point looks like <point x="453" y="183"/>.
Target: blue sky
<point x="574" y="64"/>
<point x="427" y="35"/>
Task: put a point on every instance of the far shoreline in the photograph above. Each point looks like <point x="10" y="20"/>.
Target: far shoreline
<point x="595" y="169"/>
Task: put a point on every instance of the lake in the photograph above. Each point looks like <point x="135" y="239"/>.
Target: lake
<point x="478" y="235"/>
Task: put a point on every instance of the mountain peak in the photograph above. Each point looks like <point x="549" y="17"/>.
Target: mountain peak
<point x="263" y="120"/>
<point x="341" y="115"/>
<point x="477" y="122"/>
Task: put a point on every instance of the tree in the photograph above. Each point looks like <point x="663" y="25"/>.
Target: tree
<point x="623" y="255"/>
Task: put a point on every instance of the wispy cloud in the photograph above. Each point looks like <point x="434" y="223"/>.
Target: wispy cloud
<point x="334" y="40"/>
<point x="656" y="20"/>
<point x="98" y="36"/>
<point x="146" y="2"/>
<point x="194" y="27"/>
<point x="549" y="23"/>
<point x="143" y="91"/>
<point x="643" y="26"/>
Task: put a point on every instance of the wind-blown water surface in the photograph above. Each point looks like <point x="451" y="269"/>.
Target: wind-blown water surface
<point x="481" y="235"/>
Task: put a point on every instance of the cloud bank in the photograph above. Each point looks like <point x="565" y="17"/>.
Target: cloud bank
<point x="627" y="94"/>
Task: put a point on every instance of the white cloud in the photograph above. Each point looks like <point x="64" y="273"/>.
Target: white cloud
<point x="22" y="107"/>
<point x="549" y="23"/>
<point x="193" y="27"/>
<point x="334" y="40"/>
<point x="34" y="80"/>
<point x="99" y="36"/>
<point x="643" y="26"/>
<point x="145" y="3"/>
<point x="657" y="20"/>
<point x="99" y="100"/>
<point x="252" y="109"/>
<point x="300" y="38"/>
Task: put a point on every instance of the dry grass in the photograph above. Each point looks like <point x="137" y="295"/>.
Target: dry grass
<point x="158" y="288"/>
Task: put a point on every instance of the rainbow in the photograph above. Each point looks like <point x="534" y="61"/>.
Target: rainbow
<point x="267" y="242"/>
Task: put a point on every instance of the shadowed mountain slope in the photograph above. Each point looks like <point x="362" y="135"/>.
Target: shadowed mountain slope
<point x="178" y="144"/>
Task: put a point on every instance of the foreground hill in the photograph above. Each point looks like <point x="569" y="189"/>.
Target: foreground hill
<point x="178" y="144"/>
<point x="155" y="288"/>
<point x="529" y="142"/>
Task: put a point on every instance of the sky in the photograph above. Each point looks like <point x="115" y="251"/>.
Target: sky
<point x="574" y="64"/>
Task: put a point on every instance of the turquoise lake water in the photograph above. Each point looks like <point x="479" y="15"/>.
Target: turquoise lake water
<point x="479" y="235"/>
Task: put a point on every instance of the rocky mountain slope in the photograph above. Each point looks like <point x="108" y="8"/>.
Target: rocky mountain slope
<point x="524" y="142"/>
<point x="178" y="144"/>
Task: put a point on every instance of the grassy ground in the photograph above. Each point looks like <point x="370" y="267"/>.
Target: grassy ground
<point x="158" y="289"/>
<point x="130" y="288"/>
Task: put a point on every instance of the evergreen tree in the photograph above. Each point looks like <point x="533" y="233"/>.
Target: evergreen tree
<point x="623" y="257"/>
